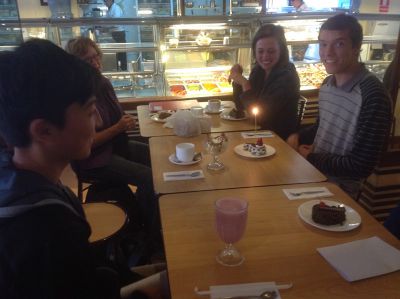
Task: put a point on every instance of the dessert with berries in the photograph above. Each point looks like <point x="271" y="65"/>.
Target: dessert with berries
<point x="256" y="149"/>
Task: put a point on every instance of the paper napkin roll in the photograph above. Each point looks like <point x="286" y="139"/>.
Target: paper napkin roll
<point x="308" y="192"/>
<point x="257" y="134"/>
<point x="182" y="175"/>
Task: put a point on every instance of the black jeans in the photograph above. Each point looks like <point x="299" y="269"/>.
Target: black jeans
<point x="135" y="169"/>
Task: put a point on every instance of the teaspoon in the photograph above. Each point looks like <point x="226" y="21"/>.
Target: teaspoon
<point x="263" y="295"/>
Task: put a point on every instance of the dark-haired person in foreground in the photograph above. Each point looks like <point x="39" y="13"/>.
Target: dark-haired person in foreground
<point x="47" y="118"/>
<point x="355" y="111"/>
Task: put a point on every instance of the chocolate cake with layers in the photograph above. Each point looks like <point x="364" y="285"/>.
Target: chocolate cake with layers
<point x="328" y="215"/>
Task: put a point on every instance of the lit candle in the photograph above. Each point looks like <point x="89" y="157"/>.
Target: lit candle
<point x="255" y="112"/>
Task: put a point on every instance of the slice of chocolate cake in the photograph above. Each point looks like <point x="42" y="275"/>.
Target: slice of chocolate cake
<point x="236" y="113"/>
<point x="328" y="215"/>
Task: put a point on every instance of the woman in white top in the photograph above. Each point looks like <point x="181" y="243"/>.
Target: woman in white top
<point x="114" y="10"/>
<point x="117" y="32"/>
<point x="300" y="5"/>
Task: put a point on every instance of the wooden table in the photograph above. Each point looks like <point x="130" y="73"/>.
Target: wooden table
<point x="285" y="167"/>
<point x="277" y="246"/>
<point x="105" y="220"/>
<point x="150" y="128"/>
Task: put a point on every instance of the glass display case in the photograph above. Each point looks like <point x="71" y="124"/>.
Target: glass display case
<point x="9" y="35"/>
<point x="191" y="56"/>
<point x="209" y="48"/>
<point x="8" y="9"/>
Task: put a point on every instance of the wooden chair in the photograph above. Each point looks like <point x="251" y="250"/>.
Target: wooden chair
<point x="81" y="188"/>
<point x="105" y="220"/>
<point x="380" y="192"/>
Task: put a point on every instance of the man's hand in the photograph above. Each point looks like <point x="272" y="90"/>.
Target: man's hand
<point x="293" y="141"/>
<point x="305" y="149"/>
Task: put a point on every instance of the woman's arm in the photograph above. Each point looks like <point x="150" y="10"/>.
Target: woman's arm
<point x="278" y="94"/>
<point x="236" y="76"/>
<point x="126" y="122"/>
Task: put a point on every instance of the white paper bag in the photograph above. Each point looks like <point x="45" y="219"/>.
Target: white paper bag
<point x="185" y="124"/>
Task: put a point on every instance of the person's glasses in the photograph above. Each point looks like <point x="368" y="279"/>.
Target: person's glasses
<point x="90" y="59"/>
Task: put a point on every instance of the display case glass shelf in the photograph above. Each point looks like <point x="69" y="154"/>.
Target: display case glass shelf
<point x="191" y="56"/>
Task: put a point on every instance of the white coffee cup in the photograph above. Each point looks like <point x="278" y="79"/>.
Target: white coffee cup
<point x="197" y="110"/>
<point x="214" y="105"/>
<point x="185" y="152"/>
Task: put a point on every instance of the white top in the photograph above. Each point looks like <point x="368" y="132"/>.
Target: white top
<point x="115" y="11"/>
<point x="302" y="7"/>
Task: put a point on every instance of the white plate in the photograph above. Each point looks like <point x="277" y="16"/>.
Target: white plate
<point x="228" y="117"/>
<point x="353" y="219"/>
<point x="173" y="159"/>
<point x="206" y="110"/>
<point x="155" y="118"/>
<point x="240" y="151"/>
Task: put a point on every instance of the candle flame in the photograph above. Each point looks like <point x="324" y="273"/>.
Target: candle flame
<point x="255" y="110"/>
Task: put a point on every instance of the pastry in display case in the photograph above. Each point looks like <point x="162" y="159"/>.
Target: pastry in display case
<point x="311" y="75"/>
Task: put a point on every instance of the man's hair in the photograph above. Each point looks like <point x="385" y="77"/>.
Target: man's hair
<point x="39" y="80"/>
<point x="80" y="46"/>
<point x="343" y="22"/>
<point x="277" y="32"/>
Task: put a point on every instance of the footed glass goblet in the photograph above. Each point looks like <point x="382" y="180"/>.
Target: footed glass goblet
<point x="230" y="220"/>
<point x="216" y="145"/>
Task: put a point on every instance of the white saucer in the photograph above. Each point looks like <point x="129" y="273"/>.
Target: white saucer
<point x="206" y="110"/>
<point x="353" y="219"/>
<point x="173" y="159"/>
<point x="242" y="152"/>
<point x="157" y="119"/>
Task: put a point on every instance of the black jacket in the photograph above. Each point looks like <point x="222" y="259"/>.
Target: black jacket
<point x="277" y="98"/>
<point x="44" y="248"/>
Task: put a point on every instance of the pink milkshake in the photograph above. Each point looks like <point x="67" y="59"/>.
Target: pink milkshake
<point x="231" y="218"/>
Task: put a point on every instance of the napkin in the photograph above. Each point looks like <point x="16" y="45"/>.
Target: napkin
<point x="308" y="192"/>
<point x="243" y="289"/>
<point x="182" y="175"/>
<point x="362" y="259"/>
<point x="258" y="134"/>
